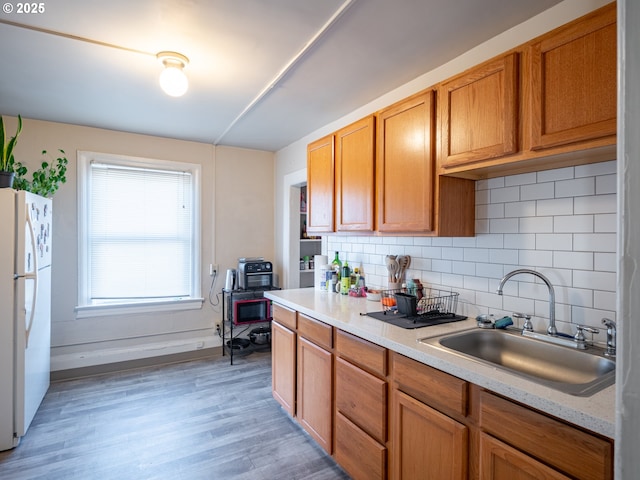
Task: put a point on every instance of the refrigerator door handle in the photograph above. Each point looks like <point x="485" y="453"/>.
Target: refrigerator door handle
<point x="32" y="276"/>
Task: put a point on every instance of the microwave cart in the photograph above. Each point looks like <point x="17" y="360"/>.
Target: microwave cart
<point x="245" y="311"/>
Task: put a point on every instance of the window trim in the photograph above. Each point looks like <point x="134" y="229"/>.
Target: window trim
<point x="86" y="310"/>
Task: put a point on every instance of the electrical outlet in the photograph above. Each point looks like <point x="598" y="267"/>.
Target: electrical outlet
<point x="213" y="269"/>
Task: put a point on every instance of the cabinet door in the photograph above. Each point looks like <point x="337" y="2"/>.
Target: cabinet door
<point x="283" y="367"/>
<point x="362" y="398"/>
<point x="499" y="461"/>
<point x="426" y="443"/>
<point x="315" y="392"/>
<point x="405" y="166"/>
<point x="354" y="180"/>
<point x="359" y="454"/>
<point x="479" y="113"/>
<point x="573" y="82"/>
<point x="320" y="170"/>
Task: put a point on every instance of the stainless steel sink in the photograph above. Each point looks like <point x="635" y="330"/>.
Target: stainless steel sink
<point x="572" y="371"/>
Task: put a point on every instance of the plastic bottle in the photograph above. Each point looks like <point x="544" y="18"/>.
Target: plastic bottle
<point x="345" y="279"/>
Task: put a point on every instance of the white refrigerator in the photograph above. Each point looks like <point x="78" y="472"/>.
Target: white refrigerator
<point x="25" y="310"/>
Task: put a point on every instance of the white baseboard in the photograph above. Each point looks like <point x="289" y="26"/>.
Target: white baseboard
<point x="67" y="361"/>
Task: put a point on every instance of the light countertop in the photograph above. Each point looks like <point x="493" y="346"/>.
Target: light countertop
<point x="595" y="413"/>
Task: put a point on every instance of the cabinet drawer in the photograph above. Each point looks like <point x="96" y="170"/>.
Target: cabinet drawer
<point x="360" y="455"/>
<point x="551" y="441"/>
<point x="283" y="315"/>
<point x="362" y="398"/>
<point x="318" y="332"/>
<point x="433" y="387"/>
<point x="363" y="353"/>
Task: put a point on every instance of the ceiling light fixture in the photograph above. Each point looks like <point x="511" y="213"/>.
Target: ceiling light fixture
<point x="172" y="79"/>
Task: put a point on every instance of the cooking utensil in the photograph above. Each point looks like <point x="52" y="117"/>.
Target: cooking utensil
<point x="403" y="263"/>
<point x="392" y="267"/>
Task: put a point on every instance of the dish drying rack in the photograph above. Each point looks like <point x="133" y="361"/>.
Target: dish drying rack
<point x="425" y="302"/>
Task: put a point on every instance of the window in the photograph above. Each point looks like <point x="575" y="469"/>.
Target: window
<point x="139" y="235"/>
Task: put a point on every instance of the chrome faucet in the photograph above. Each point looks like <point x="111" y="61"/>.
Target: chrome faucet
<point x="611" y="337"/>
<point x="551" y="329"/>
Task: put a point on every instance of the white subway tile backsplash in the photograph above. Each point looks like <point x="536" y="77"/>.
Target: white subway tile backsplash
<point x="520" y="209"/>
<point x="606" y="184"/>
<point x="536" y="225"/>
<point x="594" y="242"/>
<point x="576" y="187"/>
<point x="595" y="169"/>
<point x="520" y="241"/>
<point x="536" y="258"/>
<point x="556" y="206"/>
<point x="482" y="196"/>
<point x="504" y="225"/>
<point x="537" y="191"/>
<point x="476" y="255"/>
<point x="554" y="241"/>
<point x="496" y="183"/>
<point x="442" y="266"/>
<point x="560" y="222"/>
<point x="573" y="224"/>
<point x="452" y="253"/>
<point x="605" y="281"/>
<point x="557" y="174"/>
<point x="605" y="262"/>
<point x="595" y="204"/>
<point x="442" y="242"/>
<point x="463" y="268"/>
<point x="491" y="270"/>
<point x="506" y="194"/>
<point x="521" y="179"/>
<point x="606" y="222"/>
<point x="604" y="300"/>
<point x="490" y="241"/>
<point x="476" y="283"/>
<point x="493" y="210"/>
<point x="502" y="256"/>
<point x="482" y="226"/>
<point x="575" y="260"/>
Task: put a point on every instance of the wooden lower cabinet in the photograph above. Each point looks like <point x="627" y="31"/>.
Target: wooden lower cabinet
<point x="426" y="444"/>
<point x="283" y="367"/>
<point x="315" y="392"/>
<point x="358" y="454"/>
<point x="383" y="415"/>
<point x="499" y="461"/>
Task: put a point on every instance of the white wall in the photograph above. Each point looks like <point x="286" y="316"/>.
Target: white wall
<point x="237" y="201"/>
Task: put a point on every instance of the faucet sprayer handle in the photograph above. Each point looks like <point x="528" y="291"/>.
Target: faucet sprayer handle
<point x="528" y="326"/>
<point x="611" y="337"/>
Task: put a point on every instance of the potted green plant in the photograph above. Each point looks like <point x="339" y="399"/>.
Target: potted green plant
<point x="46" y="180"/>
<point x="6" y="154"/>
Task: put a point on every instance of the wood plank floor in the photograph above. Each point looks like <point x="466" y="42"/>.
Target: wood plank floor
<point x="203" y="419"/>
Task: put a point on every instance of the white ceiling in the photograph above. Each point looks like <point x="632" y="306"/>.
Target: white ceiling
<point x="92" y="62"/>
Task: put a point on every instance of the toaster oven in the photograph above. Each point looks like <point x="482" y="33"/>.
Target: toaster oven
<point x="254" y="274"/>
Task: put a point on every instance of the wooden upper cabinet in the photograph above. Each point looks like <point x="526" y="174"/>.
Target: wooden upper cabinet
<point x="573" y="82"/>
<point x="354" y="176"/>
<point x="405" y="165"/>
<point x="320" y="174"/>
<point x="479" y="113"/>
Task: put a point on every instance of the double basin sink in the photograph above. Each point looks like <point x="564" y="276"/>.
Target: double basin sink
<point x="572" y="371"/>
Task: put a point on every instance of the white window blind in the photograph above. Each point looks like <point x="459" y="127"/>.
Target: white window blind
<point x="140" y="231"/>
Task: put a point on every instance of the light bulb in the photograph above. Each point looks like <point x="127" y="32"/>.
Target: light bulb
<point x="173" y="81"/>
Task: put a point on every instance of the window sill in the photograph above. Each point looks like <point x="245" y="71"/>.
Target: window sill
<point x="89" y="311"/>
